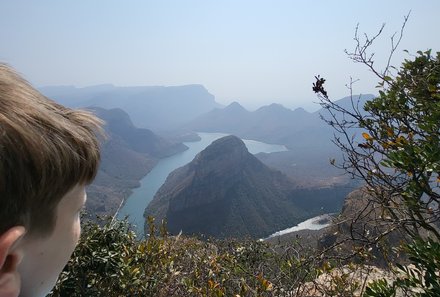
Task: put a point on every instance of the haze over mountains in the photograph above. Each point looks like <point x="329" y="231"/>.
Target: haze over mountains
<point x="153" y="107"/>
<point x="273" y="123"/>
<point x="225" y="179"/>
<point x="306" y="135"/>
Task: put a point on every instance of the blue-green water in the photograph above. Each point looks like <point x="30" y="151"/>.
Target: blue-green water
<point x="137" y="202"/>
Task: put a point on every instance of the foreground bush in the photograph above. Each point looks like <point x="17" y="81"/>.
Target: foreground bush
<point x="110" y="261"/>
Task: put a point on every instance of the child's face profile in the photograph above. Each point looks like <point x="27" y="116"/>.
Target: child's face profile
<point x="44" y="258"/>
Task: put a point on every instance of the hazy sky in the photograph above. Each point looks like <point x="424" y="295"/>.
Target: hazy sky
<point x="255" y="52"/>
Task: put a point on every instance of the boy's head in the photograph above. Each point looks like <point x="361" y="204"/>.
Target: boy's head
<point x="48" y="153"/>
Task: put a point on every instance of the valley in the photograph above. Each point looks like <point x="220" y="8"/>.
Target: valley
<point x="139" y="156"/>
<point x="135" y="205"/>
<point x="249" y="148"/>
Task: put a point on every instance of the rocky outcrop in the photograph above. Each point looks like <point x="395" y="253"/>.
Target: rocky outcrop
<point x="226" y="192"/>
<point x="128" y="153"/>
<point x="364" y="224"/>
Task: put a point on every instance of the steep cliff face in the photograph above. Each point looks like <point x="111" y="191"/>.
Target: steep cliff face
<point x="226" y="191"/>
<point x="119" y="127"/>
<point x="127" y="154"/>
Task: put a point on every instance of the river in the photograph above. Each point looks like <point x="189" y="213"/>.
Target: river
<point x="137" y="202"/>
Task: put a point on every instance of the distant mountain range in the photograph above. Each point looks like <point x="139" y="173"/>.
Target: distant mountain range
<point x="227" y="192"/>
<point x="127" y="154"/>
<point x="272" y="124"/>
<point x="306" y="135"/>
<point x="156" y="108"/>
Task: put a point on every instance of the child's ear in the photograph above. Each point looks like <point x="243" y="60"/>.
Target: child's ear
<point x="10" y="258"/>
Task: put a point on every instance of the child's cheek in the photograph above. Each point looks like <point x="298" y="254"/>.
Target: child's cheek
<point x="76" y="232"/>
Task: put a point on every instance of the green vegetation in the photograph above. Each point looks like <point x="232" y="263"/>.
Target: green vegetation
<point x="109" y="261"/>
<point x="398" y="158"/>
<point x="404" y="128"/>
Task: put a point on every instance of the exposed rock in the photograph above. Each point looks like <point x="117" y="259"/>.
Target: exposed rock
<point x="363" y="223"/>
<point x="128" y="153"/>
<point x="345" y="281"/>
<point x="226" y="191"/>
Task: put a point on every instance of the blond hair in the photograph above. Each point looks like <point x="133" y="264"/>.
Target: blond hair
<point x="45" y="150"/>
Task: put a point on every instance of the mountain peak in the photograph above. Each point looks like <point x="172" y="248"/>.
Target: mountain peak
<point x="273" y="107"/>
<point x="274" y="110"/>
<point x="225" y="153"/>
<point x="235" y="106"/>
<point x="300" y="110"/>
<point x="276" y="105"/>
<point x="225" y="191"/>
<point x="227" y="144"/>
